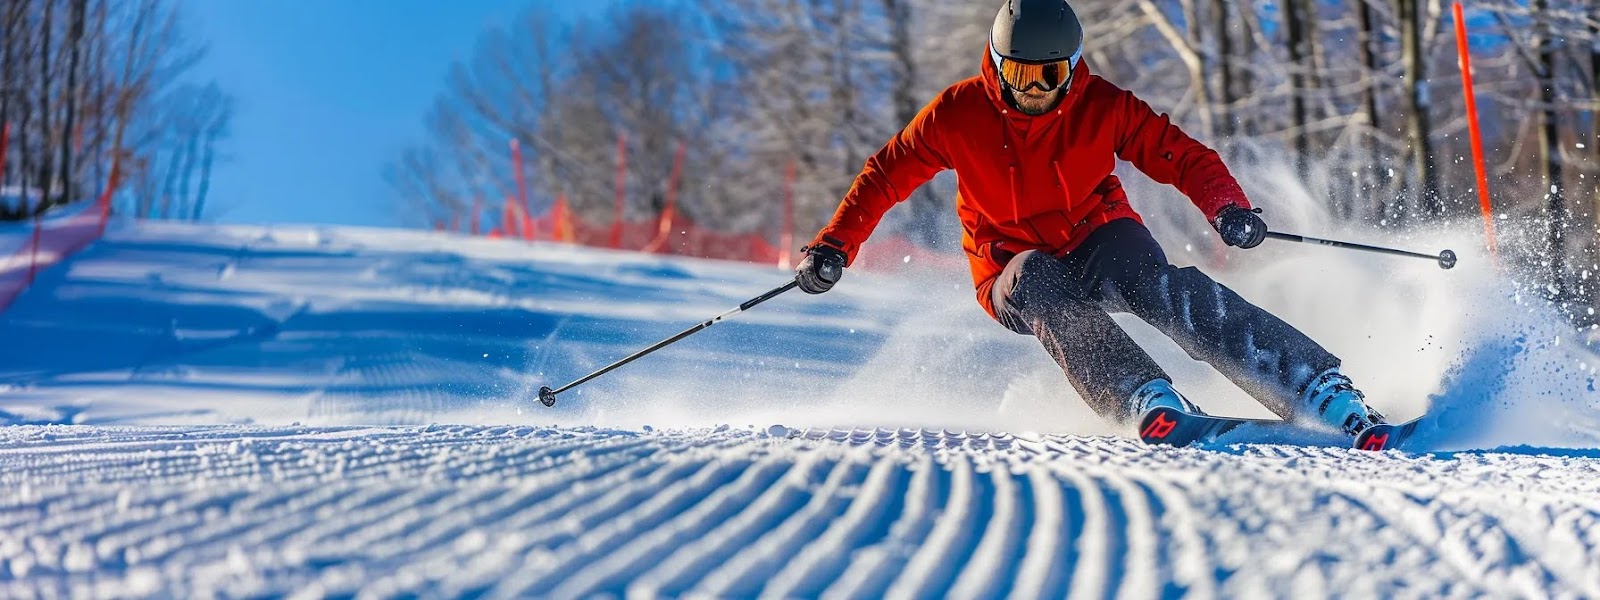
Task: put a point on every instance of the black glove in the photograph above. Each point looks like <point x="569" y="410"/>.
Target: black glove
<point x="1240" y="226"/>
<point x="820" y="269"/>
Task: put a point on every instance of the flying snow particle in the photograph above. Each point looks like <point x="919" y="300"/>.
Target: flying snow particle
<point x="906" y="260"/>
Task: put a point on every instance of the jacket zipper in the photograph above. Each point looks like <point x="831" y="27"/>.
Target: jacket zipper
<point x="1016" y="203"/>
<point x="1066" y="192"/>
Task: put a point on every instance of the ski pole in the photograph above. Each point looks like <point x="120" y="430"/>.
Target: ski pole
<point x="548" y="396"/>
<point x="1446" y="259"/>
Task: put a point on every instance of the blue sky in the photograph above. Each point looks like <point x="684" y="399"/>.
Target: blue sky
<point x="327" y="93"/>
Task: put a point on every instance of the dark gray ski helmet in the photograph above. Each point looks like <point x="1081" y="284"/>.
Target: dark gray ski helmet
<point x="1036" y="31"/>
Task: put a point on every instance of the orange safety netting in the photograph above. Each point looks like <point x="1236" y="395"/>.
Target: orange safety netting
<point x="671" y="235"/>
<point x="677" y="235"/>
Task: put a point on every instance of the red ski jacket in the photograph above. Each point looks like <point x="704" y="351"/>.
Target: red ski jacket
<point x="1029" y="182"/>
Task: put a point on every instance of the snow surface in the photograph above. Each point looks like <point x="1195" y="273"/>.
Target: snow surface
<point x="198" y="411"/>
<point x="731" y="512"/>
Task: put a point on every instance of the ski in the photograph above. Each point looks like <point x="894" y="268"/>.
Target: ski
<point x="1166" y="426"/>
<point x="1386" y="436"/>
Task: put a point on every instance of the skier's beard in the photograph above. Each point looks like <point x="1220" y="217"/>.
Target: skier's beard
<point x="1035" y="102"/>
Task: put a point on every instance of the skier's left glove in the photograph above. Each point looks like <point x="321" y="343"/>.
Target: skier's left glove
<point x="1240" y="227"/>
<point x="820" y="269"/>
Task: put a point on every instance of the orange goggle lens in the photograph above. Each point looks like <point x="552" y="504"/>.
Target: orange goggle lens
<point x="1047" y="76"/>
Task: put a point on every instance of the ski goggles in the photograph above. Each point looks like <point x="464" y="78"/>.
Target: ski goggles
<point x="1021" y="75"/>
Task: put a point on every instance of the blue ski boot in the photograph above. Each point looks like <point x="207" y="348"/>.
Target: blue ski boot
<point x="1159" y="392"/>
<point x="1334" y="401"/>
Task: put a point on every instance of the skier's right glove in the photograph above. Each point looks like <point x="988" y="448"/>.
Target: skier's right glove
<point x="1240" y="227"/>
<point x="820" y="269"/>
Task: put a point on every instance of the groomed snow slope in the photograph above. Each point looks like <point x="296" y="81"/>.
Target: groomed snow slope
<point x="564" y="512"/>
<point x="245" y="411"/>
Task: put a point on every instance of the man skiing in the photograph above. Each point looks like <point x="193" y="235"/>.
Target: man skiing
<point x="1054" y="245"/>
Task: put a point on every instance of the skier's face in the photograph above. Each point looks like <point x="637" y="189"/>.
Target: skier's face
<point x="1035" y="102"/>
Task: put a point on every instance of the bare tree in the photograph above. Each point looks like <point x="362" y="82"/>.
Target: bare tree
<point x="12" y="35"/>
<point x="1550" y="145"/>
<point x="1594" y="99"/>
<point x="1297" y="40"/>
<point x="1186" y="45"/>
<point x="45" y="180"/>
<point x="159" y="120"/>
<point x="1223" y="34"/>
<point x="1374" y="176"/>
<point x="1419" y="116"/>
<point x="84" y="86"/>
<point x="73" y="95"/>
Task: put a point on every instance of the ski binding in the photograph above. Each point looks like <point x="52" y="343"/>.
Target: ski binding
<point x="1167" y="426"/>
<point x="1386" y="436"/>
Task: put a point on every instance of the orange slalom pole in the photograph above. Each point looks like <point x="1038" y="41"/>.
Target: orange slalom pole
<point x="1472" y="127"/>
<point x="562" y="216"/>
<point x="786" y="234"/>
<point x="526" y="223"/>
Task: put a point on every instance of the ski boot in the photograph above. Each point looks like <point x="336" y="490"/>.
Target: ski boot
<point x="1158" y="393"/>
<point x="1337" y="403"/>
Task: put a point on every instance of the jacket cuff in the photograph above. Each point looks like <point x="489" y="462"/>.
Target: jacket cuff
<point x="1221" y="195"/>
<point x="832" y="241"/>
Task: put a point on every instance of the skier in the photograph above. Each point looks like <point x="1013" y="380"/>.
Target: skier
<point x="1054" y="245"/>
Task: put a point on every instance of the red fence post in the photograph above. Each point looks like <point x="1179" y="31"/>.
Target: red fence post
<point x="622" y="183"/>
<point x="786" y="235"/>
<point x="510" y="221"/>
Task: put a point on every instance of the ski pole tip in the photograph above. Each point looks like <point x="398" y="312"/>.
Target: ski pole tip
<point x="547" y="396"/>
<point x="1447" y="259"/>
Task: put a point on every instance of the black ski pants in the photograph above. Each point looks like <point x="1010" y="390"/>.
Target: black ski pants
<point x="1065" y="302"/>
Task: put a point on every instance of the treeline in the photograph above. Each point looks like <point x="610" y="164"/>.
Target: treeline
<point x="92" y="94"/>
<point x="1363" y="97"/>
